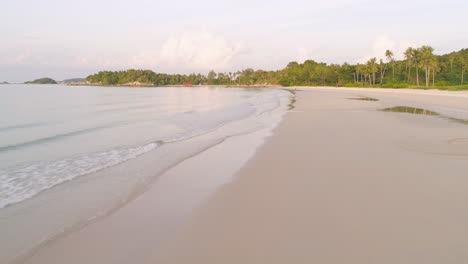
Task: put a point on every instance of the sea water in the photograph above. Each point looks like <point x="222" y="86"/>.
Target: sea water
<point x="76" y="153"/>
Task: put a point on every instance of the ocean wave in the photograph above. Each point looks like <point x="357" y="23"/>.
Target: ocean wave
<point x="51" y="138"/>
<point x="29" y="125"/>
<point x="27" y="180"/>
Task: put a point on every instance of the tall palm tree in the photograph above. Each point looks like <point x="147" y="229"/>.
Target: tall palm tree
<point x="409" y="59"/>
<point x="360" y="70"/>
<point x="416" y="57"/>
<point x="426" y="56"/>
<point x="364" y="74"/>
<point x="391" y="59"/>
<point x="382" y="70"/>
<point x="373" y="68"/>
<point x="367" y="73"/>
<point x="434" y="66"/>
<point x="230" y="77"/>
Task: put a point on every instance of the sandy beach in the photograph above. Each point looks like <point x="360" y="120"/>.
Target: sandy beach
<point x="338" y="182"/>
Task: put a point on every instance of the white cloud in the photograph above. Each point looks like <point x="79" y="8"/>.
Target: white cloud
<point x="302" y="55"/>
<point x="383" y="43"/>
<point x="199" y="51"/>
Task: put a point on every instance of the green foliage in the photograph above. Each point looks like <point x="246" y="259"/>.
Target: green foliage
<point x="42" y="81"/>
<point x="143" y="77"/>
<point x="419" y="68"/>
<point x="212" y="77"/>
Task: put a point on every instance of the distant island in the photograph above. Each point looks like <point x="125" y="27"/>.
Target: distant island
<point x="4" y="83"/>
<point x="420" y="68"/>
<point x="42" y="81"/>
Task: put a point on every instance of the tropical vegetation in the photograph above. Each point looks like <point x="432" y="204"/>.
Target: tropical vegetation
<point x="419" y="68"/>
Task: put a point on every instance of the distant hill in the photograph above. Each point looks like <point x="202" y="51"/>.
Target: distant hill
<point x="4" y="83"/>
<point x="74" y="80"/>
<point x="42" y="81"/>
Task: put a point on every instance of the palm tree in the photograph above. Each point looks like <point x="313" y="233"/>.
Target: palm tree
<point x="391" y="59"/>
<point x="416" y="57"/>
<point x="373" y="68"/>
<point x="382" y="68"/>
<point x="426" y="55"/>
<point x="230" y="77"/>
<point x="238" y="76"/>
<point x="368" y="73"/>
<point x="356" y="73"/>
<point x="434" y="65"/>
<point x="212" y="77"/>
<point x="409" y="58"/>
<point x="360" y="72"/>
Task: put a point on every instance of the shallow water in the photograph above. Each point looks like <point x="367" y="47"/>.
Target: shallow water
<point x="50" y="133"/>
<point x="70" y="155"/>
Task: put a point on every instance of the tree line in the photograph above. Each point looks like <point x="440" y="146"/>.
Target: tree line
<point x="419" y="68"/>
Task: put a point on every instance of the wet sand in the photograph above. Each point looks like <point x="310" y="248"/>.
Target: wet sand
<point x="338" y="182"/>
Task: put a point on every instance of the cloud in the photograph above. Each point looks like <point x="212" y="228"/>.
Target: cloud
<point x="199" y="51"/>
<point x="383" y="43"/>
<point x="189" y="51"/>
<point x="302" y="55"/>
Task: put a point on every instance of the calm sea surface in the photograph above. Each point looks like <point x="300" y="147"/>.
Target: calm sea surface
<point x="52" y="133"/>
<point x="70" y="155"/>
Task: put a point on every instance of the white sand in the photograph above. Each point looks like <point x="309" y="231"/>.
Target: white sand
<point x="338" y="182"/>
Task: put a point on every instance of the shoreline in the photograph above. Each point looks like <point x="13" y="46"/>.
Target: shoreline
<point x="251" y="212"/>
<point x="129" y="85"/>
<point x="161" y="209"/>
<point x="250" y="130"/>
<point x="273" y="86"/>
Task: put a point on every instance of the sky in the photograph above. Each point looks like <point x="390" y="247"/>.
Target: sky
<point x="65" y="39"/>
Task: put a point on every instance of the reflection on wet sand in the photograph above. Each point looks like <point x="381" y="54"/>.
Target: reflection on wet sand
<point x="291" y="104"/>
<point x="365" y="99"/>
<point x="410" y="110"/>
<point x="420" y="111"/>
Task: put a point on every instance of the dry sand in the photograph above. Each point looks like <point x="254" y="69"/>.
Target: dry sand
<point x="338" y="182"/>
